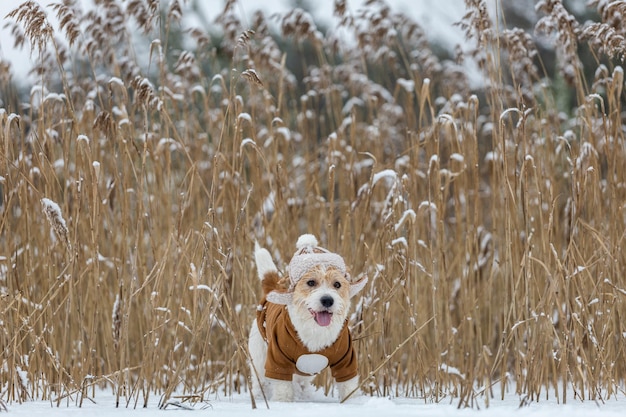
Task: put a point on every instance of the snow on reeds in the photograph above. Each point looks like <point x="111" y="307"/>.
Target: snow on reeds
<point x="56" y="220"/>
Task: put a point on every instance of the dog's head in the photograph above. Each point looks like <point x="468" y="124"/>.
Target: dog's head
<point x="320" y="302"/>
<point x="310" y="267"/>
<point x="322" y="295"/>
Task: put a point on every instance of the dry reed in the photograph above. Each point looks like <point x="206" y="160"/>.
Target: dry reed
<point x="491" y="223"/>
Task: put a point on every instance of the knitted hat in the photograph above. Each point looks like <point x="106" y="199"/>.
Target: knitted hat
<point x="308" y="255"/>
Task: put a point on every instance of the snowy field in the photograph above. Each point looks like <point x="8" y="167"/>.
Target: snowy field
<point x="320" y="406"/>
<point x="437" y="18"/>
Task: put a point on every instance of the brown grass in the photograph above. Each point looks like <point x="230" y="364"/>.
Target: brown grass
<point x="491" y="223"/>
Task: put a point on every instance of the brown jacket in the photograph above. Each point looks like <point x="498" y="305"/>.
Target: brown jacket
<point x="284" y="346"/>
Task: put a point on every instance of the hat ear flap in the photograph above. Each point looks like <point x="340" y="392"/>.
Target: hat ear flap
<point x="355" y="287"/>
<point x="277" y="297"/>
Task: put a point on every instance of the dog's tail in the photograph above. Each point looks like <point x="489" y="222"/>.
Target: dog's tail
<point x="268" y="273"/>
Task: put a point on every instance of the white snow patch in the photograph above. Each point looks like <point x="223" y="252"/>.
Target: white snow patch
<point x="201" y="287"/>
<point x="285" y="132"/>
<point x="407" y="85"/>
<point x="245" y="142"/>
<point x="245" y="116"/>
<point x="408" y="215"/>
<point x="451" y="370"/>
<point x="457" y="157"/>
<point x="386" y="173"/>
<point x="117" y="81"/>
<point x="427" y="205"/>
<point x="53" y="208"/>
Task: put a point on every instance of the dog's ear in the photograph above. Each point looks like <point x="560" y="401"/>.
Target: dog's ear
<point x="276" y="290"/>
<point x="272" y="282"/>
<point x="283" y="284"/>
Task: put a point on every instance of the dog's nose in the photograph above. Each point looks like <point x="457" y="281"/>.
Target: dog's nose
<point x="327" y="301"/>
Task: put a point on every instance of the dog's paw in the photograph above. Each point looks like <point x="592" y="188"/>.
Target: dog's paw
<point x="282" y="390"/>
<point x="303" y="388"/>
<point x="348" y="389"/>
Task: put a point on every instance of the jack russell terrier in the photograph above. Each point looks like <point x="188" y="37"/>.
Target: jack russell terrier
<point x="302" y="322"/>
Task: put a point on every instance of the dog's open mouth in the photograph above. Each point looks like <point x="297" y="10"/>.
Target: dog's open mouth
<point x="322" y="318"/>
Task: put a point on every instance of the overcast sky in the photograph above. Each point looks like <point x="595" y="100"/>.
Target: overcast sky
<point x="435" y="16"/>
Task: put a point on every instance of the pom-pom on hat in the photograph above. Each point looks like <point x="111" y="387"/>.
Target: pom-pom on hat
<point x="309" y="255"/>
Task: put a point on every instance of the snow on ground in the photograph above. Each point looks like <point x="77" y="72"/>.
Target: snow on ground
<point x="363" y="406"/>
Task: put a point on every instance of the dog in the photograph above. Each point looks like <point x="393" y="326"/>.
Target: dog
<point x="302" y="323"/>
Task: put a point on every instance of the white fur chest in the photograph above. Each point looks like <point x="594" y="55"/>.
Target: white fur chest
<point x="311" y="364"/>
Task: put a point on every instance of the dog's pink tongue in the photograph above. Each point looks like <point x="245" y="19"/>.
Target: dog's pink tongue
<point x="323" y="318"/>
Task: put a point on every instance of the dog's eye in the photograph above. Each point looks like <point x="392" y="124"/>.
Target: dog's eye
<point x="337" y="284"/>
<point x="311" y="283"/>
